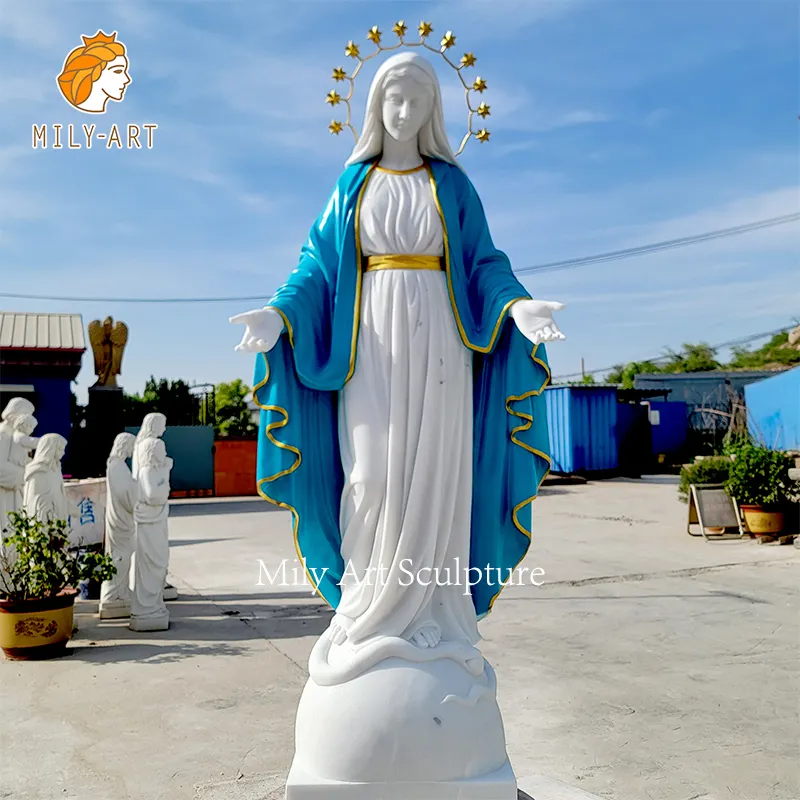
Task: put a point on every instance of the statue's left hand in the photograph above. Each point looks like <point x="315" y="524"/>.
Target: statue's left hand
<point x="534" y="319"/>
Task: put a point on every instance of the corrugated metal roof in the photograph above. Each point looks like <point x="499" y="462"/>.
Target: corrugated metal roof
<point x="41" y="331"/>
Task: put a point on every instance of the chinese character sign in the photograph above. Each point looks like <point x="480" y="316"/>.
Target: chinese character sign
<point x="87" y="504"/>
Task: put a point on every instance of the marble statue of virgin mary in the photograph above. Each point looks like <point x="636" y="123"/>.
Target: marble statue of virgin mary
<point x="400" y="376"/>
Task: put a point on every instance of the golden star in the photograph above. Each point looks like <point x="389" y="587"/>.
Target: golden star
<point x="374" y="34"/>
<point x="483" y="110"/>
<point x="479" y="85"/>
<point x="352" y="50"/>
<point x="400" y="28"/>
<point x="339" y="74"/>
<point x="335" y="127"/>
<point x="448" y="40"/>
<point x="468" y="60"/>
<point x="482" y="135"/>
<point x="333" y="97"/>
<point x="425" y="29"/>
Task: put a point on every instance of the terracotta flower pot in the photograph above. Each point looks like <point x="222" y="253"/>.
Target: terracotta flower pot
<point x="762" y="522"/>
<point x="37" y="629"/>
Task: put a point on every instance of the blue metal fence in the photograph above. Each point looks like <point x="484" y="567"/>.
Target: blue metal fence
<point x="191" y="447"/>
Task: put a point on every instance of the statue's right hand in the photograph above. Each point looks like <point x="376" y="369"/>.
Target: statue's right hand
<point x="263" y="328"/>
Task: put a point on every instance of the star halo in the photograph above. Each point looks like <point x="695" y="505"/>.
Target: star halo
<point x="425" y="30"/>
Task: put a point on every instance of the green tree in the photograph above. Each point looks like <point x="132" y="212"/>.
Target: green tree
<point x="692" y="358"/>
<point x="174" y="399"/>
<point x="625" y="374"/>
<point x="777" y="351"/>
<point x="232" y="414"/>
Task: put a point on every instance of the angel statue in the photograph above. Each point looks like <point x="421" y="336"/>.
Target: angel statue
<point x="400" y="375"/>
<point x="108" y="340"/>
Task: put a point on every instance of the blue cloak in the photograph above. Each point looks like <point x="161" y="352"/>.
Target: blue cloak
<point x="297" y="384"/>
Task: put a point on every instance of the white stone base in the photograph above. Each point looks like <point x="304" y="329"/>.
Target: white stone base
<point x="155" y="623"/>
<point x="500" y="785"/>
<point x="115" y="609"/>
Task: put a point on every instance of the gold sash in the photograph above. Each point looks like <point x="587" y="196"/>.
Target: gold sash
<point x="399" y="261"/>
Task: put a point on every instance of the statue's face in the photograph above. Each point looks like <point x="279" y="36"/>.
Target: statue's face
<point x="27" y="425"/>
<point x="406" y="107"/>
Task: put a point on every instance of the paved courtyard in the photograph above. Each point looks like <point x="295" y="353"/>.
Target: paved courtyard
<point x="649" y="665"/>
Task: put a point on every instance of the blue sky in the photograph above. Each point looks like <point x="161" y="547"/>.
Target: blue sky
<point x="613" y="124"/>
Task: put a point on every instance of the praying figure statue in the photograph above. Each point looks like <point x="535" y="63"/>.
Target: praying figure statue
<point x="120" y="536"/>
<point x="16" y="445"/>
<point x="44" y="496"/>
<point x="400" y="374"/>
<point x="151" y="514"/>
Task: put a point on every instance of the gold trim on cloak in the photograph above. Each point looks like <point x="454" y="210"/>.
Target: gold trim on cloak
<point x="527" y="419"/>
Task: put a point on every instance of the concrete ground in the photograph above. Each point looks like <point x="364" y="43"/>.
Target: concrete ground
<point x="648" y="666"/>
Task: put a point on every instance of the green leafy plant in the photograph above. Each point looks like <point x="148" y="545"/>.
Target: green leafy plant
<point x="714" y="469"/>
<point x="37" y="560"/>
<point x="759" y="476"/>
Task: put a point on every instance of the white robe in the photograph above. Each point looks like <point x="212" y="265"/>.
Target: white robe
<point x="15" y="449"/>
<point x="405" y="433"/>
<point x="121" y="495"/>
<point x="151" y="563"/>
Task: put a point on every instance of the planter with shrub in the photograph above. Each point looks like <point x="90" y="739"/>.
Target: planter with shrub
<point x="40" y="573"/>
<point x="759" y="482"/>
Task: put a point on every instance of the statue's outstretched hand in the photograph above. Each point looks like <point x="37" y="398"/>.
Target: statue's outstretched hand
<point x="534" y="319"/>
<point x="263" y="328"/>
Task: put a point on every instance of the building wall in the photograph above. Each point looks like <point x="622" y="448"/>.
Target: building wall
<point x="52" y="398"/>
<point x="235" y="467"/>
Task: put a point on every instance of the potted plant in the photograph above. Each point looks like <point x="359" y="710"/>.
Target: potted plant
<point x="39" y="575"/>
<point x="759" y="482"/>
<point x="704" y="470"/>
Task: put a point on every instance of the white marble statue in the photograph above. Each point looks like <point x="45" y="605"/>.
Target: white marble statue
<point x="153" y="427"/>
<point x="412" y="357"/>
<point x="16" y="445"/>
<point x="151" y="514"/>
<point x="44" y="496"/>
<point x="120" y="528"/>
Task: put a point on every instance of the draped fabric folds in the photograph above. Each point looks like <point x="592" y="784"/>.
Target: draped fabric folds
<point x="297" y="384"/>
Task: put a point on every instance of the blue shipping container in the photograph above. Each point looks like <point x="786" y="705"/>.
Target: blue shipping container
<point x="583" y="428"/>
<point x="773" y="410"/>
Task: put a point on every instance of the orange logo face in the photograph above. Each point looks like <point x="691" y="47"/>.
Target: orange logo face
<point x="95" y="73"/>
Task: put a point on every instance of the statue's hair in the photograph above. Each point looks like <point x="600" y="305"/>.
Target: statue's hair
<point x="17" y="406"/>
<point x="150" y="423"/>
<point x="153" y="453"/>
<point x="122" y="447"/>
<point x="84" y="66"/>
<point x="48" y="448"/>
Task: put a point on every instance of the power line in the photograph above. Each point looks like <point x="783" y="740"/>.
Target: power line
<point x="669" y="244"/>
<point x="656" y="359"/>
<point x="553" y="266"/>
